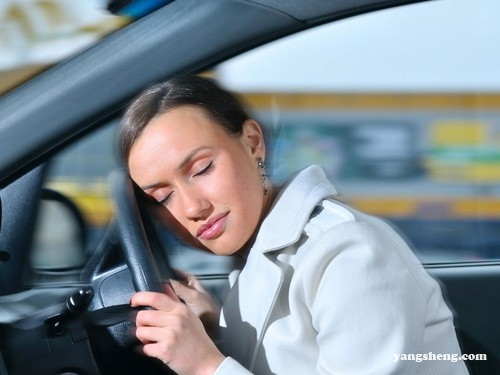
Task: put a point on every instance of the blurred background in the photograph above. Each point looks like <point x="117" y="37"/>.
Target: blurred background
<point x="401" y="108"/>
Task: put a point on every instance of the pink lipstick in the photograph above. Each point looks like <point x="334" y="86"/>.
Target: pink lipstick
<point x="213" y="228"/>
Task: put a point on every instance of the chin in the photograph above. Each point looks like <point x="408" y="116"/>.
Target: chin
<point x="225" y="244"/>
<point x="223" y="249"/>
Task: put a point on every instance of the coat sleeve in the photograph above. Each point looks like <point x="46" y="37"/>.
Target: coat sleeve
<point x="367" y="301"/>
<point x="231" y="367"/>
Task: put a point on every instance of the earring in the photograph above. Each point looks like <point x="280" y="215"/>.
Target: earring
<point x="263" y="173"/>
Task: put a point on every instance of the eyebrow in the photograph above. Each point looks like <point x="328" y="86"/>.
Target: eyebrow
<point x="183" y="163"/>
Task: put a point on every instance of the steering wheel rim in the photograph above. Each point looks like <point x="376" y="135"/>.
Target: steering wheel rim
<point x="147" y="263"/>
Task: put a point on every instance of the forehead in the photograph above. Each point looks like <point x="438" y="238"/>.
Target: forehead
<point x="183" y="114"/>
<point x="174" y="134"/>
<point x="184" y="124"/>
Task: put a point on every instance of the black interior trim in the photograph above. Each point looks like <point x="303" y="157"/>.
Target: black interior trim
<point x="460" y="284"/>
<point x="20" y="208"/>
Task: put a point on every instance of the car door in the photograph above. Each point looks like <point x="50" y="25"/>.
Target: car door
<point x="409" y="144"/>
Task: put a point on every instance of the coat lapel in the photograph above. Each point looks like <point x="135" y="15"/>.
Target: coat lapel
<point x="248" y="306"/>
<point x="261" y="282"/>
<point x="252" y="300"/>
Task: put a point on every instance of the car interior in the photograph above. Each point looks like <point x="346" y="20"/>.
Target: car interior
<point x="77" y="240"/>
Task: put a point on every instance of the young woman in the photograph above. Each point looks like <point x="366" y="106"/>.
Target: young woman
<point x="324" y="289"/>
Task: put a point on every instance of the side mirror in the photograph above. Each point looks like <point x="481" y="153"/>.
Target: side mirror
<point x="59" y="241"/>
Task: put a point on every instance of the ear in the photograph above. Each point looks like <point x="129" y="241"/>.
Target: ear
<point x="253" y="138"/>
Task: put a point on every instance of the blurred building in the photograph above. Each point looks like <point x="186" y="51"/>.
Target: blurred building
<point x="37" y="33"/>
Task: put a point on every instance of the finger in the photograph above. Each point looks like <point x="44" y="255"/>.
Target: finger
<point x="157" y="351"/>
<point x="183" y="274"/>
<point x="148" y="335"/>
<point x="169" y="291"/>
<point x="193" y="282"/>
<point x="153" y="318"/>
<point x="155" y="300"/>
<point x="190" y="282"/>
<point x="188" y="279"/>
<point x="186" y="293"/>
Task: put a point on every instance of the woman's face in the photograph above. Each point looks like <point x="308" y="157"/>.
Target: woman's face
<point x="208" y="181"/>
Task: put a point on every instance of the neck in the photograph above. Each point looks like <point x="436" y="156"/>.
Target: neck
<point x="269" y="198"/>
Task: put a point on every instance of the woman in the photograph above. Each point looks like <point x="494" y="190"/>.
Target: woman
<point x="324" y="289"/>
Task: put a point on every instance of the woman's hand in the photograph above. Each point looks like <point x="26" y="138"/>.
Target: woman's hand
<point x="199" y="301"/>
<point x="173" y="333"/>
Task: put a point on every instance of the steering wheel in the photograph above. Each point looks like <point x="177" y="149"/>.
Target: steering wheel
<point x="89" y="333"/>
<point x="144" y="255"/>
<point x="147" y="263"/>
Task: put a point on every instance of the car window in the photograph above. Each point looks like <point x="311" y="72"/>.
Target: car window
<point x="81" y="172"/>
<point x="401" y="107"/>
<point x="406" y="126"/>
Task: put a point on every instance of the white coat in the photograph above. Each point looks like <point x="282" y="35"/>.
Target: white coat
<point x="329" y="290"/>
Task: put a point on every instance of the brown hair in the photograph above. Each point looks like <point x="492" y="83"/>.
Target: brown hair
<point x="220" y="105"/>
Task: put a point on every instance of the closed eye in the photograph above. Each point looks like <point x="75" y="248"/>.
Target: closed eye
<point x="164" y="201"/>
<point x="206" y="170"/>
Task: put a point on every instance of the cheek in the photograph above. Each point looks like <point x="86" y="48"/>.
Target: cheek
<point x="243" y="189"/>
<point x="240" y="180"/>
<point x="177" y="228"/>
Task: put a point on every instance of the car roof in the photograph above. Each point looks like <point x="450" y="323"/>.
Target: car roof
<point x="185" y="36"/>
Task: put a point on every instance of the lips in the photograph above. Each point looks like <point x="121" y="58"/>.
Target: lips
<point x="213" y="228"/>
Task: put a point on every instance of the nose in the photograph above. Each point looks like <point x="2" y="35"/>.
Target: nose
<point x="194" y="205"/>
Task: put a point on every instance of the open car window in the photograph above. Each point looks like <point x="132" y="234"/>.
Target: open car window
<point x="407" y="127"/>
<point x="405" y="119"/>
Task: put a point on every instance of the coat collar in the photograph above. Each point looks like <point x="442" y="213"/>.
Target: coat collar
<point x="291" y="210"/>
